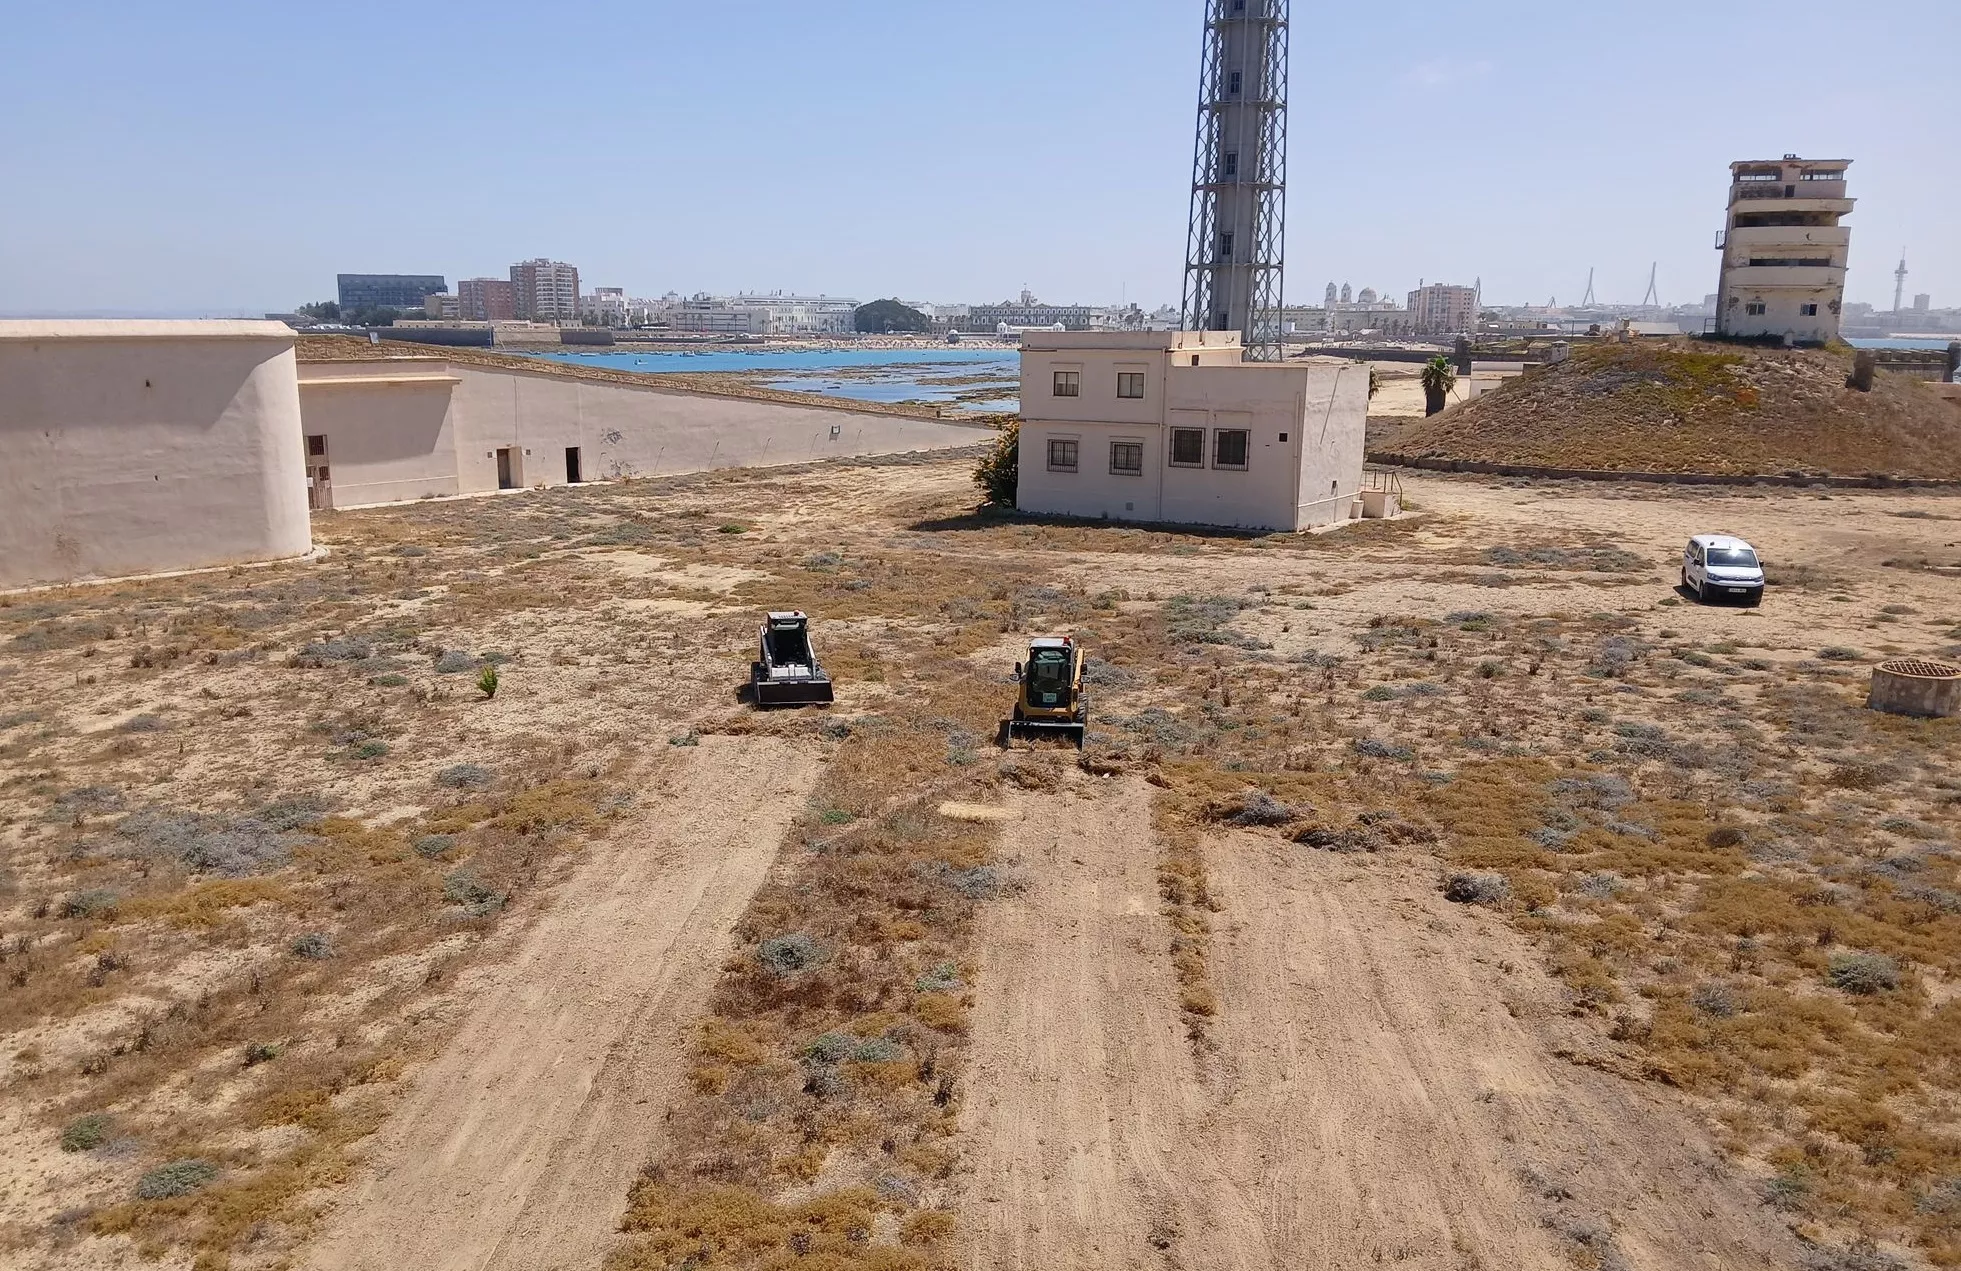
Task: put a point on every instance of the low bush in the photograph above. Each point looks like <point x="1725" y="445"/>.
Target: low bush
<point x="86" y="1132"/>
<point x="788" y="954"/>
<point x="1863" y="974"/>
<point x="175" y="1178"/>
<point x="313" y="945"/>
<point x="1476" y="889"/>
<point x="464" y="776"/>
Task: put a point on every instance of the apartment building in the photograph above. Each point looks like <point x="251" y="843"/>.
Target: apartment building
<point x="392" y="291"/>
<point x="1443" y="309"/>
<point x="1177" y="426"/>
<point x="1784" y="250"/>
<point x="545" y="290"/>
<point x="442" y="305"/>
<point x="486" y="299"/>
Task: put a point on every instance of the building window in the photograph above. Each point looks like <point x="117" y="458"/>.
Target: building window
<point x="1809" y="311"/>
<point x="1232" y="163"/>
<point x="1068" y="384"/>
<point x="1127" y="457"/>
<point x="1754" y="307"/>
<point x="1130" y="383"/>
<point x="1225" y="246"/>
<point x="1188" y="447"/>
<point x="1232" y="84"/>
<point x="1062" y="456"/>
<point x="316" y="444"/>
<point x="1229" y="447"/>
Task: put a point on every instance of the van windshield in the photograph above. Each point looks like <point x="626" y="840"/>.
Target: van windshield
<point x="1733" y="557"/>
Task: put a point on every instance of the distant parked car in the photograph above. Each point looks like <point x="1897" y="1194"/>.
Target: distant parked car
<point x="1722" y="567"/>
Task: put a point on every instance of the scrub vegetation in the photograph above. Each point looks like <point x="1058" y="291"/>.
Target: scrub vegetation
<point x="228" y="940"/>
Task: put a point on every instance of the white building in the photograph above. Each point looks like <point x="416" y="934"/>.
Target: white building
<point x="1175" y="426"/>
<point x="442" y="305"/>
<point x="141" y="447"/>
<point x="1784" y="251"/>
<point x="607" y="306"/>
<point x="800" y="315"/>
<point x="1443" y="309"/>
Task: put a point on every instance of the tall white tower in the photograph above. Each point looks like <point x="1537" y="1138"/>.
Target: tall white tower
<point x="1233" y="248"/>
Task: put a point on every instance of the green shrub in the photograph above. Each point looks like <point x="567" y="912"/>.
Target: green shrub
<point x="176" y="1178"/>
<point x="1863" y="974"/>
<point x="487" y="682"/>
<point x="86" y="1132"/>
<point x="999" y="470"/>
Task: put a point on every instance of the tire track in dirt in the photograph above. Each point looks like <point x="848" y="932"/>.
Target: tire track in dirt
<point x="1085" y="1087"/>
<point x="515" y="1147"/>
<point x="1381" y="1087"/>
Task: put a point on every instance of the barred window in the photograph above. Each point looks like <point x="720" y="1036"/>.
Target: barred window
<point x="1188" y="447"/>
<point x="1062" y="456"/>
<point x="1229" y="448"/>
<point x="1127" y="456"/>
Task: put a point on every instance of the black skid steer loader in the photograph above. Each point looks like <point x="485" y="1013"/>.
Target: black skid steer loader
<point x="786" y="672"/>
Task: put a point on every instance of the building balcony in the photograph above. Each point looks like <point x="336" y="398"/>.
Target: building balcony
<point x="1741" y="190"/>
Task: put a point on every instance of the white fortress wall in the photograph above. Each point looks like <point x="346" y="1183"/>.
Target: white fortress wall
<point x="627" y="431"/>
<point x="142" y="447"/>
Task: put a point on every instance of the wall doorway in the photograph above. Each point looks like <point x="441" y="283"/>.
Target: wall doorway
<point x="506" y="469"/>
<point x="572" y="476"/>
<point x="319" y="491"/>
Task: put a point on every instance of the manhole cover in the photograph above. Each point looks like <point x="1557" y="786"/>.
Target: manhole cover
<point x="1921" y="668"/>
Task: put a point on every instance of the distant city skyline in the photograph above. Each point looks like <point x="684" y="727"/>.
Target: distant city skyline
<point x="218" y="160"/>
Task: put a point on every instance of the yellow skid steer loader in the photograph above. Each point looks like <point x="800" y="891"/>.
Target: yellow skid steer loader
<point x="1051" y="699"/>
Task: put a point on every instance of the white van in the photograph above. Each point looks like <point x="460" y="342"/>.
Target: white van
<point x="1722" y="567"/>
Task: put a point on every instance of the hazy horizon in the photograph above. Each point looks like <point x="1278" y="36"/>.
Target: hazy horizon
<point x="231" y="159"/>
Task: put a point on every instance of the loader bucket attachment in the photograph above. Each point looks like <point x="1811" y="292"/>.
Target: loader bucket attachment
<point x="805" y="691"/>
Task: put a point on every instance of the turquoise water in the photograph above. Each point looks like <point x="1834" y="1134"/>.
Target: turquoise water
<point x="876" y="375"/>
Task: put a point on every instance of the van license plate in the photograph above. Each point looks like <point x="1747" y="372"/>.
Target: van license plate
<point x="1739" y="591"/>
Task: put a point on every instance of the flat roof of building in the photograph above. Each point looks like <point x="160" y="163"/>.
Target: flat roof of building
<point x="144" y="329"/>
<point x="1163" y="341"/>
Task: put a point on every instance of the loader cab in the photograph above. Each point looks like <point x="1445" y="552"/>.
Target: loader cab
<point x="1049" y="676"/>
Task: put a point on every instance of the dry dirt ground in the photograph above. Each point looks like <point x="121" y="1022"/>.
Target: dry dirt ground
<point x="316" y="954"/>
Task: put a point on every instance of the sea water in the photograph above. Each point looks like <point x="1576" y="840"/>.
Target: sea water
<point x="876" y="375"/>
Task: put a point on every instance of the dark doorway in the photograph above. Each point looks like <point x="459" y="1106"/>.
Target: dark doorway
<point x="572" y="476"/>
<point x="505" y="479"/>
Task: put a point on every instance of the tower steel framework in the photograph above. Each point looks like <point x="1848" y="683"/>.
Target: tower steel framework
<point x="1233" y="248"/>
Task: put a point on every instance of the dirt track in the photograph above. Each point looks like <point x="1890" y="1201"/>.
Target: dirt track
<point x="515" y="1147"/>
<point x="1375" y="1098"/>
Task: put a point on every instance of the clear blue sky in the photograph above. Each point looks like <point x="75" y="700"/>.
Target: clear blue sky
<point x="196" y="157"/>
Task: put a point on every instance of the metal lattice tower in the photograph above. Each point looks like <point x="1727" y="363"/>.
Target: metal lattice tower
<point x="1233" y="249"/>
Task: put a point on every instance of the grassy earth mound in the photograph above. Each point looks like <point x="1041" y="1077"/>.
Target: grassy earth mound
<point x="1684" y="406"/>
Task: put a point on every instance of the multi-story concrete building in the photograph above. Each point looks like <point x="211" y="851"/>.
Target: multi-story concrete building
<point x="486" y="299"/>
<point x="545" y="290"/>
<point x="391" y="291"/>
<point x="1784" y="251"/>
<point x="717" y="317"/>
<point x="1443" y="309"/>
<point x="1176" y="426"/>
<point x="442" y="305"/>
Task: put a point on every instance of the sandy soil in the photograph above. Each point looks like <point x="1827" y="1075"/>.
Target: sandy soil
<point x="515" y="1147"/>
<point x="1375" y="1098"/>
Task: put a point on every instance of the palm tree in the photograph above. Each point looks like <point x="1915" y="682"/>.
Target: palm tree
<point x="1438" y="380"/>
